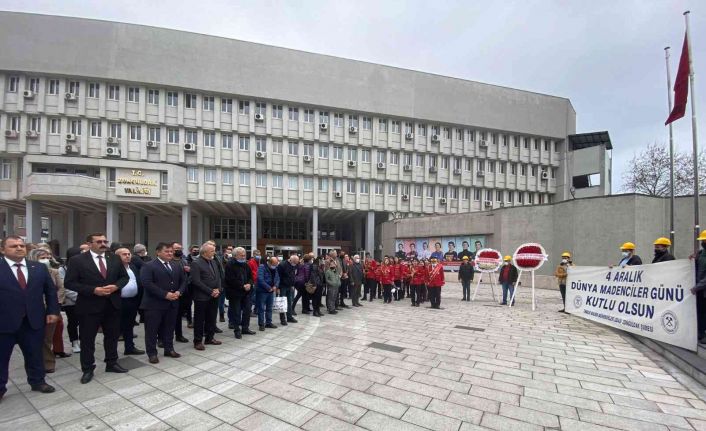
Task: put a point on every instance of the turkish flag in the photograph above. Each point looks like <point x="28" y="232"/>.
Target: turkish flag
<point x="681" y="85"/>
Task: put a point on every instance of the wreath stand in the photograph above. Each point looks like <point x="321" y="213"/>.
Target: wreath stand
<point x="514" y="292"/>
<point x="492" y="286"/>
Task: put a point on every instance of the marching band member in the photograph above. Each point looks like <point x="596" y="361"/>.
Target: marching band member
<point x="418" y="276"/>
<point x="435" y="281"/>
<point x="370" y="269"/>
<point x="387" y="278"/>
<point x="397" y="279"/>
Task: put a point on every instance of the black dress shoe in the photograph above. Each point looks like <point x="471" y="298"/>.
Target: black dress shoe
<point x="292" y="320"/>
<point x="62" y="354"/>
<point x="271" y="326"/>
<point x="43" y="388"/>
<point x="172" y="354"/>
<point x="238" y="335"/>
<point x="231" y="326"/>
<point x="248" y="332"/>
<point x="115" y="368"/>
<point x="134" y="352"/>
<point x="345" y="306"/>
<point x="294" y="313"/>
<point x="306" y="312"/>
<point x="86" y="377"/>
<point x="154" y="360"/>
<point x="333" y="312"/>
<point x="261" y="328"/>
<point x="218" y="330"/>
<point x="283" y="323"/>
<point x="182" y="339"/>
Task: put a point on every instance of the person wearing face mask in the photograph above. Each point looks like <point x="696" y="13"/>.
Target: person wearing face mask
<point x="662" y="253"/>
<point x="267" y="284"/>
<point x="629" y="258"/>
<point x="560" y="273"/>
<point x="185" y="299"/>
<point x="254" y="264"/>
<point x="700" y="287"/>
<point x="507" y="279"/>
<point x="355" y="273"/>
<point x="333" y="282"/>
<point x="386" y="276"/>
<point x="435" y="282"/>
<point x="238" y="285"/>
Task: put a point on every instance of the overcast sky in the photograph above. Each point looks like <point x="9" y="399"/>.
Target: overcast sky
<point x="607" y="57"/>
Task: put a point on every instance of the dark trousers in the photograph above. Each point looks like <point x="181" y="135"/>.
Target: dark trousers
<point x="128" y="312"/>
<point x="288" y="292"/>
<point x="343" y="290"/>
<point x="30" y="342"/>
<point x="316" y="298"/>
<point x="205" y="314"/>
<point x="399" y="293"/>
<point x="387" y="293"/>
<point x="422" y="293"/>
<point x="184" y="309"/>
<point x="72" y="324"/>
<point x="265" y="301"/>
<point x="369" y="289"/>
<point x="415" y="293"/>
<point x="158" y="323"/>
<point x="562" y="290"/>
<point x="241" y="311"/>
<point x="355" y="293"/>
<point x="466" y="285"/>
<point x="435" y="296"/>
<point x="109" y="320"/>
<point x="700" y="314"/>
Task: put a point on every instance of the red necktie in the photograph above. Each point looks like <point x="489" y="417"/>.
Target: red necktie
<point x="101" y="266"/>
<point x="21" y="276"/>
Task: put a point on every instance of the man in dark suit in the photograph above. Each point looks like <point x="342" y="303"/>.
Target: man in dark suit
<point x="163" y="284"/>
<point x="205" y="290"/>
<point x="97" y="277"/>
<point x="238" y="284"/>
<point x="131" y="296"/>
<point x="28" y="303"/>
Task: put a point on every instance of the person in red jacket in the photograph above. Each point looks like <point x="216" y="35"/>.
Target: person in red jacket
<point x="435" y="281"/>
<point x="418" y="276"/>
<point x="397" y="278"/>
<point x="370" y="267"/>
<point x="254" y="263"/>
<point x="387" y="278"/>
<point x="404" y="276"/>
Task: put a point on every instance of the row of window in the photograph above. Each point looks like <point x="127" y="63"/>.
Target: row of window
<point x="276" y="111"/>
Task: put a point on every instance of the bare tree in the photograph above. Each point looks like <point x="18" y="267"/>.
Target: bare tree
<point x="648" y="173"/>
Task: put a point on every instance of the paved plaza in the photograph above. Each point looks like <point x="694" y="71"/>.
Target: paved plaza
<point x="469" y="366"/>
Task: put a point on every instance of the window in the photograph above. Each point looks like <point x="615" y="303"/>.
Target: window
<point x="422" y="130"/>
<point x="379" y="188"/>
<point x="459" y="135"/>
<point x="533" y="171"/>
<point x="350" y="186"/>
<point x="515" y="141"/>
<point x="546" y="145"/>
<point x="488" y="195"/>
<point x="513" y="169"/>
<point x="244" y="143"/>
<point x="481" y="165"/>
<point x="494" y="138"/>
<point x="499" y="195"/>
<point x="408" y="128"/>
<point x="135" y="132"/>
<point x="434" y="130"/>
<point x="432" y="161"/>
<point x="15" y="123"/>
<point x="244" y="109"/>
<point x="260" y="108"/>
<point x="227" y="141"/>
<point x="308" y="184"/>
<point x="260" y="144"/>
<point x="367" y="122"/>
<point x="293" y="113"/>
<point x="173" y="136"/>
<point x="520" y="197"/>
<point x="382" y="156"/>
<point x="491" y="166"/>
<point x="477" y="194"/>
<point x="510" y="196"/>
<point x="466" y="194"/>
<point x="338" y="120"/>
<point x="468" y="163"/>
<point x="430" y="192"/>
<point x="504" y="140"/>
<point x="53" y="86"/>
<point x="277" y="146"/>
<point x="309" y="150"/>
<point x="394" y="157"/>
<point x="209" y="139"/>
<point x="308" y="115"/>
<point x="447" y="133"/>
<point x="153" y="97"/>
<point x="444" y="162"/>
<point x="530" y="198"/>
<point x="536" y="144"/>
<point x="352" y="154"/>
<point x="226" y="105"/>
<point x="227" y="177"/>
<point x="94" y="90"/>
<point x="260" y="180"/>
<point x="453" y="193"/>
<point x="483" y="136"/>
<point x="323" y="184"/>
<point x="35" y="124"/>
<point x="323" y="151"/>
<point x="115" y="130"/>
<point x="277" y="111"/>
<point x="417" y="190"/>
<point x="457" y="163"/>
<point x="113" y="92"/>
<point x="192" y="174"/>
<point x="6" y="169"/>
<point x="523" y="170"/>
<point x="553" y="172"/>
<point x="337" y="185"/>
<point x="405" y="189"/>
<point x="244" y="178"/>
<point x="503" y="166"/>
<point x="55" y="126"/>
<point x="191" y="137"/>
<point x="12" y="84"/>
<point x="75" y="127"/>
<point x="95" y="129"/>
<point x="420" y="161"/>
<point x="442" y="191"/>
<point x="154" y="134"/>
<point x="407" y="158"/>
<point x="471" y="135"/>
<point x="208" y="103"/>
<point x="365" y="155"/>
<point x="172" y="98"/>
<point x="189" y="101"/>
<point x="323" y="117"/>
<point x="525" y="141"/>
<point x="396" y="127"/>
<point x="209" y="176"/>
<point x="382" y="125"/>
<point x="293" y="182"/>
<point x="337" y="153"/>
<point x="74" y="88"/>
<point x="353" y="120"/>
<point x="133" y="94"/>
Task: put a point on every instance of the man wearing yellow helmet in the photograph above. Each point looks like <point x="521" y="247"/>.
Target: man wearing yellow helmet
<point x="700" y="287"/>
<point x="561" y="273"/>
<point x="629" y="257"/>
<point x="662" y="253"/>
<point x="507" y="278"/>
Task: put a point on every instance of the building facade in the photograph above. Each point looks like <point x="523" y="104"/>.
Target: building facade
<point x="153" y="134"/>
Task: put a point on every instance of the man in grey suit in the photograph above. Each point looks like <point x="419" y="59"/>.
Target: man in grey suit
<point x="206" y="287"/>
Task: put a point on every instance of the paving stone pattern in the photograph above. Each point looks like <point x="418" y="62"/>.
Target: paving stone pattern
<point x="467" y="367"/>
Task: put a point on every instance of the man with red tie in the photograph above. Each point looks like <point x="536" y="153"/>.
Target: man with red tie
<point x="98" y="278"/>
<point x="435" y="281"/>
<point x="29" y="302"/>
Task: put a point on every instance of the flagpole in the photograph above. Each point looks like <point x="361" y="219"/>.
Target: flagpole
<point x="694" y="135"/>
<point x="671" y="154"/>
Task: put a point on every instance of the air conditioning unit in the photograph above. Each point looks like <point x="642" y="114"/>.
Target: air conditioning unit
<point x="407" y="167"/>
<point x="409" y="136"/>
<point x="435" y="138"/>
<point x="32" y="134"/>
<point x="545" y="175"/>
<point x="480" y="174"/>
<point x="405" y="197"/>
<point x="70" y="137"/>
<point x="488" y="204"/>
<point x="352" y="129"/>
<point x="11" y="134"/>
<point x="260" y="154"/>
<point x="71" y="149"/>
<point x="457" y="172"/>
<point x="112" y="152"/>
<point x="113" y="141"/>
<point x="338" y="195"/>
<point x="307" y="158"/>
<point x="70" y="97"/>
<point x="190" y="148"/>
<point x="381" y="165"/>
<point x="432" y="169"/>
<point x="442" y="201"/>
<point x="483" y="143"/>
<point x="351" y="163"/>
<point x="27" y="94"/>
<point x="259" y="117"/>
<point x="152" y="144"/>
<point x="323" y="126"/>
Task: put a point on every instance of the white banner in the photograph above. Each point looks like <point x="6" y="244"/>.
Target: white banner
<point x="653" y="301"/>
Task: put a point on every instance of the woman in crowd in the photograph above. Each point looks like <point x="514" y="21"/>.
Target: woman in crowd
<point x="333" y="283"/>
<point x="300" y="279"/>
<point x="387" y="278"/>
<point x="69" y="304"/>
<point x="316" y="278"/>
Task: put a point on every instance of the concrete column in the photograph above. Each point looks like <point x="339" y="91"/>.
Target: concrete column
<point x="186" y="226"/>
<point x="253" y="228"/>
<point x="206" y="228"/>
<point x="370" y="233"/>
<point x="57" y="230"/>
<point x="315" y="231"/>
<point x="9" y="221"/>
<point x="72" y="222"/>
<point x="199" y="229"/>
<point x="357" y="230"/>
<point x="139" y="227"/>
<point x="112" y="226"/>
<point x="33" y="221"/>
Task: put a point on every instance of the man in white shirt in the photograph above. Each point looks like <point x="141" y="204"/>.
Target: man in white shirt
<point x="131" y="297"/>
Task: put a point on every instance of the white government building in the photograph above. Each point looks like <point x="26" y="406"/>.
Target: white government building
<point x="152" y="134"/>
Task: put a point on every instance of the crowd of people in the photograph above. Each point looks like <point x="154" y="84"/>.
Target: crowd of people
<point x="109" y="289"/>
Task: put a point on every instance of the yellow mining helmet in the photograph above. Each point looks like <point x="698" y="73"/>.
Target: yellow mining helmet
<point x="663" y="241"/>
<point x="566" y="254"/>
<point x="507" y="258"/>
<point x="702" y="237"/>
<point x="627" y="246"/>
